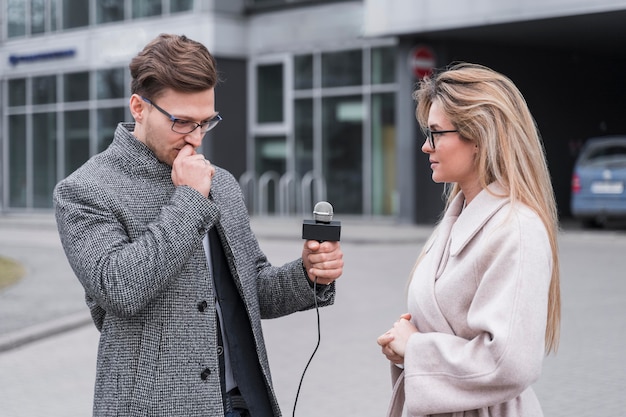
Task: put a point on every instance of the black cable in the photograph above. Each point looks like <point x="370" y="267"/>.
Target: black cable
<point x="319" y="338"/>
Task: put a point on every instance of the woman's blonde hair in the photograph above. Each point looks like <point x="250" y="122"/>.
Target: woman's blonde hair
<point x="488" y="109"/>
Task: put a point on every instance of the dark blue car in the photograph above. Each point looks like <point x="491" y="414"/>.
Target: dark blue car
<point x="598" y="193"/>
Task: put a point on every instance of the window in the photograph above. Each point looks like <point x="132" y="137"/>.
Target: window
<point x="383" y="153"/>
<point x="76" y="86"/>
<point x="44" y="89"/>
<point x="271" y="154"/>
<point x="16" y="18"/>
<point x="44" y="158"/>
<point x="110" y="83"/>
<point x="76" y="137"/>
<point x="107" y="120"/>
<point x="342" y="151"/>
<point x="75" y="14"/>
<point x="262" y="4"/>
<point x="54" y="16"/>
<point x="17" y="92"/>
<point x="342" y="68"/>
<point x="270" y="93"/>
<point x="109" y="11"/>
<point x="146" y="8"/>
<point x="180" y="5"/>
<point x="37" y="16"/>
<point x="303" y="135"/>
<point x="383" y="65"/>
<point x="17" y="158"/>
<point x="271" y="157"/>
<point x="303" y="72"/>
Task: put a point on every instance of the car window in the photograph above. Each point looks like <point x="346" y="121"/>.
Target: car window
<point x="614" y="154"/>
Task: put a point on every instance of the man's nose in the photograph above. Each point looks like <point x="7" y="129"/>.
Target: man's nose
<point x="195" y="138"/>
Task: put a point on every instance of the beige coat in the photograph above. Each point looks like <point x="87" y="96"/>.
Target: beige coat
<point x="479" y="299"/>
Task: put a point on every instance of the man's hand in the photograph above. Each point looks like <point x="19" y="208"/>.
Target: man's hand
<point x="322" y="260"/>
<point x="190" y="168"/>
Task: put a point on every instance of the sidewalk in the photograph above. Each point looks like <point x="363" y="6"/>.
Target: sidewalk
<point x="48" y="347"/>
<point x="48" y="354"/>
<point x="49" y="299"/>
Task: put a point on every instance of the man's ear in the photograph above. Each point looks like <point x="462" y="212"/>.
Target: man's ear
<point x="137" y="107"/>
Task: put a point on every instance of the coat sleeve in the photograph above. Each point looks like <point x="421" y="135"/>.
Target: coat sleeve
<point x="501" y="356"/>
<point x="121" y="266"/>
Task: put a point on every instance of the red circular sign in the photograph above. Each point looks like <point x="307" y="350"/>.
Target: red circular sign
<point x="422" y="61"/>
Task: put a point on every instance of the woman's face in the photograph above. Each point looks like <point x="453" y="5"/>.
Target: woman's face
<point x="453" y="160"/>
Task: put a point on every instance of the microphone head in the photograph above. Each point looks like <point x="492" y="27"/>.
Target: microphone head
<point x="323" y="212"/>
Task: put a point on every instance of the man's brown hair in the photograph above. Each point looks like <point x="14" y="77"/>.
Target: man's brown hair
<point x="172" y="61"/>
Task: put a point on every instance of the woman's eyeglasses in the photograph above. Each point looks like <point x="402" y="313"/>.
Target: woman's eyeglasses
<point x="430" y="134"/>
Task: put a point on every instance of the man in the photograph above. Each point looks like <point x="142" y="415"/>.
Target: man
<point x="160" y="239"/>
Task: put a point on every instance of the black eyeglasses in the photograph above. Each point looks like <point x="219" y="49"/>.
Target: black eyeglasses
<point x="187" y="126"/>
<point x="430" y="134"/>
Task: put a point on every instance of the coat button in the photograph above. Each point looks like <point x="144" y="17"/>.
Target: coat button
<point x="205" y="374"/>
<point x="202" y="305"/>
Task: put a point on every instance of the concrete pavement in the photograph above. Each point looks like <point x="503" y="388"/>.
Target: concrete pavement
<point x="48" y="346"/>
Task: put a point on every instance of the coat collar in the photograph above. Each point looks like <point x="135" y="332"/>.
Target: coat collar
<point x="134" y="155"/>
<point x="483" y="207"/>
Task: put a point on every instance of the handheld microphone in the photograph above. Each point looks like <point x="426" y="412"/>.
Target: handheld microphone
<point x="322" y="227"/>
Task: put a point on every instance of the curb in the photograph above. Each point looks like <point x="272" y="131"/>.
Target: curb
<point x="36" y="332"/>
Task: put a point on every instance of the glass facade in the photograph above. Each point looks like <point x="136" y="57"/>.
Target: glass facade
<point x="38" y="17"/>
<point x="321" y="122"/>
<point x="54" y="124"/>
<point x="339" y="128"/>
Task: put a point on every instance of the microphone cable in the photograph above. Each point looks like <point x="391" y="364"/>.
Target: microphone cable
<point x="319" y="339"/>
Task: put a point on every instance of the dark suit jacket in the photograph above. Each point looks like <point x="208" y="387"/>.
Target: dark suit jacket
<point x="134" y="241"/>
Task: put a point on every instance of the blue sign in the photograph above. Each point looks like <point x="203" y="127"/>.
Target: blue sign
<point x="66" y="53"/>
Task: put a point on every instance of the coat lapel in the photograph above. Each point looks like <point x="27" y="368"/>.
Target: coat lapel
<point x="422" y="297"/>
<point x="454" y="232"/>
<point x="483" y="207"/>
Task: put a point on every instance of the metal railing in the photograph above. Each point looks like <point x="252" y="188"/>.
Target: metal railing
<point x="283" y="195"/>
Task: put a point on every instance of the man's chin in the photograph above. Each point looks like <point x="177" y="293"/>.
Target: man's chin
<point x="167" y="160"/>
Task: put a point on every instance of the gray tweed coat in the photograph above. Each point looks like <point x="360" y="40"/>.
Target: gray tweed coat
<point x="135" y="243"/>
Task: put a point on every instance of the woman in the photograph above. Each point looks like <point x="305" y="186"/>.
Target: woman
<point x="484" y="299"/>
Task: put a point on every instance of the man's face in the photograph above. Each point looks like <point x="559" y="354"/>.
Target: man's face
<point x="154" y="128"/>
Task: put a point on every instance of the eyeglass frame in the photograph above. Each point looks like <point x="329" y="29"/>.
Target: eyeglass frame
<point x="429" y="135"/>
<point x="210" y="124"/>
